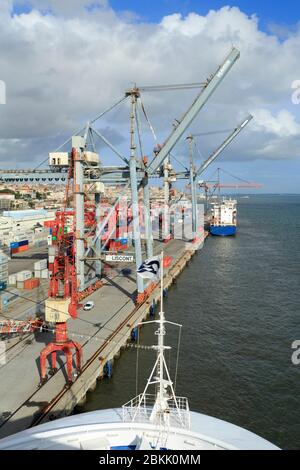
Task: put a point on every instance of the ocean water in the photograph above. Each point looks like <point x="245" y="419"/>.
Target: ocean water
<point x="239" y="303"/>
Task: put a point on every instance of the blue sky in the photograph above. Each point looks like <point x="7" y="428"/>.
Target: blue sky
<point x="285" y="13"/>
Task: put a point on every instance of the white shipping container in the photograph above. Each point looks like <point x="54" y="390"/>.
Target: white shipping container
<point x="51" y="259"/>
<point x="45" y="274"/>
<point x="3" y="267"/>
<point x="52" y="250"/>
<point x="40" y="265"/>
<point x="12" y="280"/>
<point x="37" y="274"/>
<point x="4" y="275"/>
<point x="20" y="284"/>
<point x="23" y="275"/>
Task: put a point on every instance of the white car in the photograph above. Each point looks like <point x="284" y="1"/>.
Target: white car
<point x="88" y="305"/>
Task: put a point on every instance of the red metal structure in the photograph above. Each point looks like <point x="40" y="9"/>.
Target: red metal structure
<point x="63" y="285"/>
<point x="20" y="326"/>
<point x="63" y="288"/>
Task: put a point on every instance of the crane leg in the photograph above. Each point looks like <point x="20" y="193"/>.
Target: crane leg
<point x="43" y="360"/>
<point x="53" y="360"/>
<point x="68" y="353"/>
<point x="78" y="349"/>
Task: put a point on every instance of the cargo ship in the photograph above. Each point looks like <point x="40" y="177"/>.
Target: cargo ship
<point x="223" y="217"/>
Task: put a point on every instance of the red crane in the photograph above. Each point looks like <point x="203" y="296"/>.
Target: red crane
<point x="62" y="302"/>
<point x="213" y="185"/>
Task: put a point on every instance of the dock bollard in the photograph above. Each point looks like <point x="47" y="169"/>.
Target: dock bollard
<point x="107" y="369"/>
<point x="152" y="309"/>
<point x="134" y="334"/>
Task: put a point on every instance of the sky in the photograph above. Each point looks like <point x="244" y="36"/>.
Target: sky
<point x="64" y="62"/>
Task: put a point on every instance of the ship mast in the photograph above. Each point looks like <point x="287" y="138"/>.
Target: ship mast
<point x="163" y="409"/>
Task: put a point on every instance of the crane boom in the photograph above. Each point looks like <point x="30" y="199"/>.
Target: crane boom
<point x="220" y="149"/>
<point x="231" y="186"/>
<point x="194" y="109"/>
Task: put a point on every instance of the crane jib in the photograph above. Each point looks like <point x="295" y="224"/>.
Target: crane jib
<point x="194" y="109"/>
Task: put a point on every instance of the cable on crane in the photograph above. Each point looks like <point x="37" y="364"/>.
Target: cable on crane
<point x="82" y="129"/>
<point x="111" y="146"/>
<point x="179" y="86"/>
<point x="108" y="109"/>
<point x="220" y="131"/>
<point x="199" y="151"/>
<point x="234" y="176"/>
<point x="148" y="121"/>
<point x="178" y="161"/>
<point x="137" y="118"/>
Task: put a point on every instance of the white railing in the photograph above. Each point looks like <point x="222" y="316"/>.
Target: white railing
<point x="139" y="410"/>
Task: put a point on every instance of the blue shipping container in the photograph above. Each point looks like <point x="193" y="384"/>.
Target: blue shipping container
<point x="14" y="245"/>
<point x="23" y="242"/>
<point x="3" y="285"/>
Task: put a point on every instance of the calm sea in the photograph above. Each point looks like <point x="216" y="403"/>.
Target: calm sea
<point x="239" y="304"/>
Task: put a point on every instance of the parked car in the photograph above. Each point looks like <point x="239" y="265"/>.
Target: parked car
<point x="88" y="305"/>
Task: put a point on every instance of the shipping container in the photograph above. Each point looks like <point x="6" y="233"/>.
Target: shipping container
<point x="4" y="275"/>
<point x="51" y="259"/>
<point x="20" y="284"/>
<point x="31" y="283"/>
<point x="41" y="264"/>
<point x="23" y="247"/>
<point x="3" y="285"/>
<point x="23" y="242"/>
<point x="3" y="266"/>
<point x="45" y="274"/>
<point x="23" y="275"/>
<point x="52" y="250"/>
<point x="12" y="280"/>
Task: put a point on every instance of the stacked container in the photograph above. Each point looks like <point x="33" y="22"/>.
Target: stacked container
<point x="23" y="276"/>
<point x="12" y="280"/>
<point x="19" y="246"/>
<point x="40" y="269"/>
<point x="3" y="270"/>
<point x="52" y="250"/>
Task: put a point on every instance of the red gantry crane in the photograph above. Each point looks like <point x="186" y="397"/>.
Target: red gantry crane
<point x="62" y="301"/>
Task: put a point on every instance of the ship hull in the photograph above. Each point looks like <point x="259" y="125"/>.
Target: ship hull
<point x="223" y="230"/>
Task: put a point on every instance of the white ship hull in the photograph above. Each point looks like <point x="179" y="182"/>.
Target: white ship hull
<point x="105" y="430"/>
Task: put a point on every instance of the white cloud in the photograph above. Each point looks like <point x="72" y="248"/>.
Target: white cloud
<point x="62" y="69"/>
<point x="282" y="124"/>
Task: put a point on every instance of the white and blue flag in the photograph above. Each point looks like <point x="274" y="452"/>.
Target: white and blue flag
<point x="150" y="268"/>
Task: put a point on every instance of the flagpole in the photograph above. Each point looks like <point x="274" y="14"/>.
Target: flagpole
<point x="161" y="333"/>
<point x="161" y="280"/>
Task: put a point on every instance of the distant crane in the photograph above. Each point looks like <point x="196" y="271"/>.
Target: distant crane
<point x="243" y="184"/>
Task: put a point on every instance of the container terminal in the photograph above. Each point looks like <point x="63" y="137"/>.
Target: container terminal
<point x="91" y="249"/>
